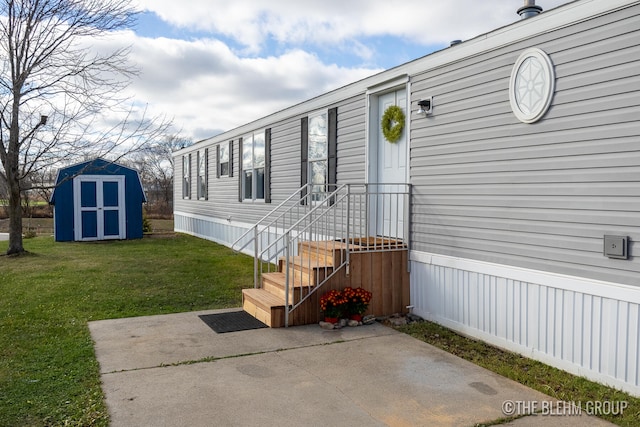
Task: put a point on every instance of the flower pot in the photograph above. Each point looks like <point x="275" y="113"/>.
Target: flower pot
<point x="331" y="319"/>
<point x="357" y="317"/>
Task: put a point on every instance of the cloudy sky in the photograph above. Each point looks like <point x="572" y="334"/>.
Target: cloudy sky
<point x="213" y="65"/>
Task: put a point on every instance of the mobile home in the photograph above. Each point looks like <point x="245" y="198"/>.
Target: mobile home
<point x="509" y="173"/>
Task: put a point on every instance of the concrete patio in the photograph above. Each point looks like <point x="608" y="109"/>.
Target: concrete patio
<point x="174" y="370"/>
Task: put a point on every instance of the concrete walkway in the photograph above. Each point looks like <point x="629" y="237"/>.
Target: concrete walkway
<point x="4" y="236"/>
<point x="173" y="370"/>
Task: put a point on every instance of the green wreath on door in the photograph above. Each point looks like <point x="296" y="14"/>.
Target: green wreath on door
<point x="393" y="114"/>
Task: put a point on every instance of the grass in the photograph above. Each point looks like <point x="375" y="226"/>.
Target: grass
<point x="48" y="371"/>
<point x="551" y="381"/>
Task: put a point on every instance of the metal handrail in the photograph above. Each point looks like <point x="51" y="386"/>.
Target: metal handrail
<point x="270" y="253"/>
<point x="333" y="201"/>
<point x="267" y="216"/>
<point x="295" y="226"/>
<point x="345" y="214"/>
<point x="343" y="200"/>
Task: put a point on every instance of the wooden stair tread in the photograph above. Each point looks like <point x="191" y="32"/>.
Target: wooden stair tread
<point x="325" y="245"/>
<point x="280" y="278"/>
<point x="309" y="262"/>
<point x="263" y="297"/>
<point x="275" y="277"/>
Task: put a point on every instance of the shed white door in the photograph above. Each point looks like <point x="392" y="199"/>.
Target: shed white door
<point x="391" y="171"/>
<point x="99" y="207"/>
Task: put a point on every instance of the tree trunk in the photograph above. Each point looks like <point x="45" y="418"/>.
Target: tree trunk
<point x="12" y="172"/>
<point x="15" y="221"/>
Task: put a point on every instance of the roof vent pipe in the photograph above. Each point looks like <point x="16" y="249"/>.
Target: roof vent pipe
<point x="529" y="9"/>
<point x="455" y="42"/>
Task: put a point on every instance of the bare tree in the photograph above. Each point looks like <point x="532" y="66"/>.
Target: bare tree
<point x="155" y="165"/>
<point x="57" y="84"/>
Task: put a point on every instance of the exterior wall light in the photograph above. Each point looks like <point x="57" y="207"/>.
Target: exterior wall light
<point x="426" y="106"/>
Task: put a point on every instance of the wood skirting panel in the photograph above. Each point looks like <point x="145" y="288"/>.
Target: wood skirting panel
<point x="384" y="274"/>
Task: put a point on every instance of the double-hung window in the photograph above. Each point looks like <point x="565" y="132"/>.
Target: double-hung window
<point x="318" y="155"/>
<point x="224" y="159"/>
<point x="253" y="166"/>
<point x="186" y="176"/>
<point x="319" y="144"/>
<point x="203" y="163"/>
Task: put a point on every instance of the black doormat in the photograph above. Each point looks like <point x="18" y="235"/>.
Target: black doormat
<point x="232" y="321"/>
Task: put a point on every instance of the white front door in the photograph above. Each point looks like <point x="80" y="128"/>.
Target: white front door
<point x="392" y="157"/>
<point x="99" y="207"/>
<point x="391" y="171"/>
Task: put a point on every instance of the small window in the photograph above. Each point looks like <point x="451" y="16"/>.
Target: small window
<point x="186" y="176"/>
<point x="224" y="160"/>
<point x="532" y="85"/>
<point x="202" y="174"/>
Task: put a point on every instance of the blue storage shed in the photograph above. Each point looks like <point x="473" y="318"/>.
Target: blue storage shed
<point x="97" y="200"/>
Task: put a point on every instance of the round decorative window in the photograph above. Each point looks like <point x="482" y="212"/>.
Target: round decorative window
<point x="532" y="85"/>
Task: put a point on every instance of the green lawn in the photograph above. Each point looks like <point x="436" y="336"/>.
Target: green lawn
<point x="48" y="372"/>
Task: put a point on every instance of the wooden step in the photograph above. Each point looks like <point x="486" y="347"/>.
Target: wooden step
<point x="275" y="283"/>
<point x="264" y="306"/>
<point x="328" y="251"/>
<point x="304" y="270"/>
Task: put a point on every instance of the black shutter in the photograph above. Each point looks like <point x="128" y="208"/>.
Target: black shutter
<point x="304" y="150"/>
<point x="239" y="169"/>
<point x="217" y="161"/>
<point x="267" y="165"/>
<point x="206" y="174"/>
<point x="189" y="180"/>
<point x="231" y="158"/>
<point x="332" y="165"/>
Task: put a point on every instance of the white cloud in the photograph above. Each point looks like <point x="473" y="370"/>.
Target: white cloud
<point x="252" y="22"/>
<point x="209" y="87"/>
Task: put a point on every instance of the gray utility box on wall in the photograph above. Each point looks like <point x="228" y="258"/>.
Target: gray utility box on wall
<point x="616" y="247"/>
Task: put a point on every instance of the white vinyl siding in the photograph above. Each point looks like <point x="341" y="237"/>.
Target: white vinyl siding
<point x="585" y="327"/>
<point x="540" y="195"/>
